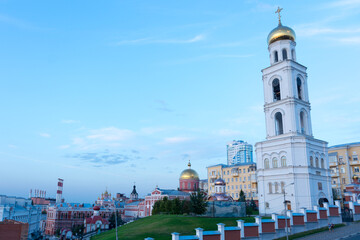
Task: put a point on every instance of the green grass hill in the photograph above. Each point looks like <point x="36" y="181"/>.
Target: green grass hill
<point x="160" y="227"/>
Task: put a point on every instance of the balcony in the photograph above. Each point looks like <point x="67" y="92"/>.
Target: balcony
<point x="235" y="174"/>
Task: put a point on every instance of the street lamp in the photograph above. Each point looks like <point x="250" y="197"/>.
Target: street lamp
<point x="285" y="203"/>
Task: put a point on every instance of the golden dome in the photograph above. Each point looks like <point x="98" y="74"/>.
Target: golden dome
<point x="189" y="173"/>
<point x="281" y="33"/>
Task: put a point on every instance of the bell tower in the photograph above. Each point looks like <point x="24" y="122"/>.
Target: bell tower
<point x="291" y="160"/>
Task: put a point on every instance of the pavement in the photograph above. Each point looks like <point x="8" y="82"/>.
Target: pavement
<point x="350" y="232"/>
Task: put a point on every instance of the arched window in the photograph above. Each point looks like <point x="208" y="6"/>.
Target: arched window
<point x="322" y="163"/>
<point x="299" y="87"/>
<point x="274" y="163"/>
<point x="276" y="56"/>
<point x="316" y="162"/>
<point x="278" y="124"/>
<point x="270" y="187"/>
<point x="283" y="161"/>
<point x="311" y="161"/>
<point x="189" y="185"/>
<point x="302" y="122"/>
<point x="282" y="187"/>
<point x="284" y="54"/>
<point x="276" y="187"/>
<point x="276" y="89"/>
<point x="266" y="163"/>
<point x="293" y="54"/>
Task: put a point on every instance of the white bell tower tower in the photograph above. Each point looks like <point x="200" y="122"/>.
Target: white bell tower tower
<point x="291" y="160"/>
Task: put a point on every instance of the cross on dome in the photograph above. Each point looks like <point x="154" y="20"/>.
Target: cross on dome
<point x="278" y="12"/>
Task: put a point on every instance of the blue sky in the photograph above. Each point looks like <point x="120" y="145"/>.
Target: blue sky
<point x="107" y="93"/>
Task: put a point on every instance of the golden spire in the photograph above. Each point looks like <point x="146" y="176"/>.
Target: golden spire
<point x="278" y="12"/>
<point x="189" y="164"/>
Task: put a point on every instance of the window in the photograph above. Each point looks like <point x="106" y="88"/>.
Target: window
<point x="236" y="186"/>
<point x="283" y="161"/>
<point x="322" y="163"/>
<point x="239" y="170"/>
<point x="240" y="186"/>
<point x="316" y="162"/>
<point x="244" y="186"/>
<point x="319" y="186"/>
<point x="299" y="88"/>
<point x="266" y="163"/>
<point x="276" y="57"/>
<point x="232" y="180"/>
<point x="228" y="172"/>
<point x="232" y="187"/>
<point x="276" y="187"/>
<point x="232" y="194"/>
<point x="276" y="89"/>
<point x="302" y="123"/>
<point x="278" y="124"/>
<point x="311" y="161"/>
<point x="274" y="163"/>
<point x="284" y="54"/>
<point x="334" y="182"/>
<point x="236" y="179"/>
<point x="237" y="195"/>
<point x="355" y="157"/>
<point x="356" y="169"/>
<point x="342" y="170"/>
<point x="224" y="172"/>
<point x="270" y="187"/>
<point x="228" y="187"/>
<point x="267" y="205"/>
<point x="249" y="178"/>
<point x="293" y="54"/>
<point x="239" y="179"/>
<point x="343" y="181"/>
<point x="282" y="187"/>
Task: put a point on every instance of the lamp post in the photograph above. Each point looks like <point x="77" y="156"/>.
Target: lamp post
<point x="285" y="203"/>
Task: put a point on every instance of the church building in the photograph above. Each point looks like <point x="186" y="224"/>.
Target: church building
<point x="292" y="165"/>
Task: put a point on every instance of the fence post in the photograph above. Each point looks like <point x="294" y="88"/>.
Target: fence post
<point x="199" y="233"/>
<point x="175" y="236"/>
<point x="274" y="217"/>
<point x="221" y="229"/>
<point x="241" y="226"/>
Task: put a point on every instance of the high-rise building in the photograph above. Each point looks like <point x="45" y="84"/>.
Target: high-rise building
<point x="344" y="165"/>
<point x="239" y="152"/>
<point x="291" y="163"/>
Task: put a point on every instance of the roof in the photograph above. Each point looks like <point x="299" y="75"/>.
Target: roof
<point x="172" y="192"/>
<point x="94" y="219"/>
<point x="344" y="145"/>
<point x="235" y="165"/>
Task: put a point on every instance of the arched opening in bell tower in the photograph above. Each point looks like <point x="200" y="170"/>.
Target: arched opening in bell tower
<point x="279" y="124"/>
<point x="276" y="56"/>
<point x="302" y="123"/>
<point x="299" y="88"/>
<point x="284" y="54"/>
<point x="276" y="89"/>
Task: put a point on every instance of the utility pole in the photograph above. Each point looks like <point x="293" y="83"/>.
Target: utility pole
<point x="116" y="232"/>
<point x="285" y="204"/>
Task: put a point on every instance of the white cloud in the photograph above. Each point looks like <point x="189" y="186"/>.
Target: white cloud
<point x="174" y="140"/>
<point x="197" y="38"/>
<point x="69" y="121"/>
<point x="64" y="146"/>
<point x="45" y="135"/>
<point x="12" y="146"/>
<point x="344" y="3"/>
<point x="228" y="132"/>
<point x="110" y="134"/>
<point x="350" y="40"/>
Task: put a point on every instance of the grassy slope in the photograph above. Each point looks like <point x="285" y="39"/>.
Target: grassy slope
<point x="160" y="227"/>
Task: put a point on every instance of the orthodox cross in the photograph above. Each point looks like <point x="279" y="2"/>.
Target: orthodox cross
<point x="278" y="12"/>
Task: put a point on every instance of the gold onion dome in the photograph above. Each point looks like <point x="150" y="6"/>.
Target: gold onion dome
<point x="281" y="33"/>
<point x="189" y="173"/>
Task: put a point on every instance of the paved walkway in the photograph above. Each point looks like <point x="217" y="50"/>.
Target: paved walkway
<point x="337" y="233"/>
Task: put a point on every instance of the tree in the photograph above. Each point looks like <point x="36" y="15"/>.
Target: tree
<point x="176" y="206"/>
<point x="185" y="207"/>
<point x="242" y="197"/>
<point x="77" y="230"/>
<point x="156" y="208"/>
<point x="164" y="205"/>
<point x="198" y="203"/>
<point x="335" y="194"/>
<point x="112" y="220"/>
<point x="253" y="204"/>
